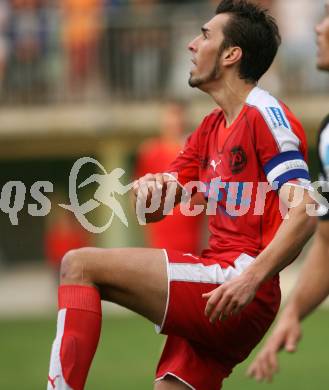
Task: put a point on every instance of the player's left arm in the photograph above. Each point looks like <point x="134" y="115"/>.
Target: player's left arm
<point x="310" y="290"/>
<point x="291" y="236"/>
<point x="232" y="296"/>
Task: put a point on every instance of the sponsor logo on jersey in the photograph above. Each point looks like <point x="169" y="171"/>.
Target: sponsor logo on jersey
<point x="277" y="117"/>
<point x="238" y="159"/>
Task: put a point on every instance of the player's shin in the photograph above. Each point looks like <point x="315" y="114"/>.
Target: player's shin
<point x="78" y="330"/>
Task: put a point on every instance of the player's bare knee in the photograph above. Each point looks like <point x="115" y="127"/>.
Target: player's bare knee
<point x="72" y="267"/>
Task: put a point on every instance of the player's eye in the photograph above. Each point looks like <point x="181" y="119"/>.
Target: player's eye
<point x="204" y="33"/>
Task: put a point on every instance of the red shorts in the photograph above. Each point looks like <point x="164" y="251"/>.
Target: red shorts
<point x="196" y="352"/>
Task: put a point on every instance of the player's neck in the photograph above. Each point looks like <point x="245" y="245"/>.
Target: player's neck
<point x="231" y="96"/>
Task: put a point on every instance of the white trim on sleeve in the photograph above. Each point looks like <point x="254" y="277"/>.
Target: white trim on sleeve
<point x="275" y="118"/>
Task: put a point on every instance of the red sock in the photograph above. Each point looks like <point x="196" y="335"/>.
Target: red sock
<point x="78" y="331"/>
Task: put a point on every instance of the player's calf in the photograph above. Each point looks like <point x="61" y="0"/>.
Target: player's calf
<point x="78" y="325"/>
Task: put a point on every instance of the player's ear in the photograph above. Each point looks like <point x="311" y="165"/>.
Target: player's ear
<point x="232" y="55"/>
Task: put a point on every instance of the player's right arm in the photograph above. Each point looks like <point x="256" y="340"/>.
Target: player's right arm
<point x="311" y="289"/>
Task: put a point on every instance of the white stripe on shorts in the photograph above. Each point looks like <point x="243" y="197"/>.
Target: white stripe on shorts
<point x="214" y="274"/>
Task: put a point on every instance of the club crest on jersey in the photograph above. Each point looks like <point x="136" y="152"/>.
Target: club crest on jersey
<point x="277" y="117"/>
<point x="238" y="159"/>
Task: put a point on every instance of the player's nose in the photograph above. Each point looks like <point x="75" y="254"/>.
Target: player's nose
<point x="192" y="45"/>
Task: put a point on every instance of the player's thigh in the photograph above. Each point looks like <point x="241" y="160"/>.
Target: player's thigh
<point x="135" y="278"/>
<point x="170" y="383"/>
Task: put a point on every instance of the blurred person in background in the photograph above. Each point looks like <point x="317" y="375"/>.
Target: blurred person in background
<point x="148" y="51"/>
<point x="63" y="234"/>
<point x="81" y="24"/>
<point x="28" y="46"/>
<point x="137" y="60"/>
<point x="4" y="44"/>
<point x="297" y="42"/>
<point x="249" y="137"/>
<point x="312" y="286"/>
<point x="176" y="231"/>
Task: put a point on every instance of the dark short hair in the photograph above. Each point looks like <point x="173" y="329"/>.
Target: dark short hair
<point x="255" y="32"/>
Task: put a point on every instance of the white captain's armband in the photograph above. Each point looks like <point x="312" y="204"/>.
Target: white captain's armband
<point x="288" y="167"/>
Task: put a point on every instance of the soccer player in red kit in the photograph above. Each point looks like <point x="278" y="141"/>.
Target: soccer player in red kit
<point x="214" y="308"/>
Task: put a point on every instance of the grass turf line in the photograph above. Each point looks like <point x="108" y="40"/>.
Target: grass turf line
<point x="129" y="350"/>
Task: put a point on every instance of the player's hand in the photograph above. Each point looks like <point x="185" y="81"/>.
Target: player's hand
<point x="231" y="297"/>
<point x="286" y="335"/>
<point x="148" y="184"/>
<point x="150" y="192"/>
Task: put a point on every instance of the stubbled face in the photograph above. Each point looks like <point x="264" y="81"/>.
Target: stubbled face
<point x="205" y="49"/>
<point x="322" y="33"/>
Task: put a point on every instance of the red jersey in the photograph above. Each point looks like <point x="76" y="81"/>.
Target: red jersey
<point x="265" y="144"/>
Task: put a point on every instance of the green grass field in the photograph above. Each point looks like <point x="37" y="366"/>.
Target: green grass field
<point x="128" y="353"/>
